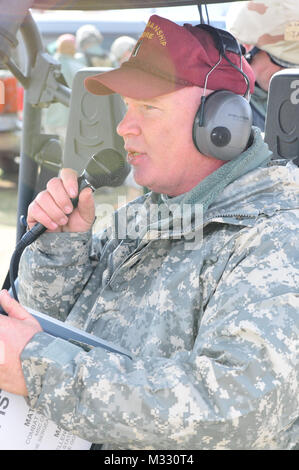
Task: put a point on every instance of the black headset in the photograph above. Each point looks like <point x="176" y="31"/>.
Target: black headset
<point x="222" y="124"/>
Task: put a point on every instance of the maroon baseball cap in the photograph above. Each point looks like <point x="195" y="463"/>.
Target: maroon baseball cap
<point x="168" y="57"/>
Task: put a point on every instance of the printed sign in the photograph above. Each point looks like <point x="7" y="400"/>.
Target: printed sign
<point x="22" y="428"/>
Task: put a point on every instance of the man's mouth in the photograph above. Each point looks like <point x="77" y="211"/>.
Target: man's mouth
<point x="133" y="154"/>
<point x="133" y="157"/>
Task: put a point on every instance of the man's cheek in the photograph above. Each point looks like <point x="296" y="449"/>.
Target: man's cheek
<point x="2" y="352"/>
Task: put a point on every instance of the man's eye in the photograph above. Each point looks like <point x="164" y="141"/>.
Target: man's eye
<point x="148" y="107"/>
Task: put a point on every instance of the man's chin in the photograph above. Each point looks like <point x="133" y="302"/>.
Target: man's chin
<point x="141" y="179"/>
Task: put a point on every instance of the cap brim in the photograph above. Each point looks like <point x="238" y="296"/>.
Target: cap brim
<point x="281" y="63"/>
<point x="131" y="82"/>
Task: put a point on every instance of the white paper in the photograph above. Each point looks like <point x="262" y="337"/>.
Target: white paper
<point x="22" y="428"/>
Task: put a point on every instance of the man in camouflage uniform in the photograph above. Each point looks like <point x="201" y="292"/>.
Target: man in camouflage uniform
<point x="269" y="31"/>
<point x="206" y="305"/>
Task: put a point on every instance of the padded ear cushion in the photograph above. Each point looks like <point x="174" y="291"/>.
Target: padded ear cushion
<point x="226" y="126"/>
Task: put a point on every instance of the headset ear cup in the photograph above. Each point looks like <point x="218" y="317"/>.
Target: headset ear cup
<point x="197" y="124"/>
<point x="222" y="125"/>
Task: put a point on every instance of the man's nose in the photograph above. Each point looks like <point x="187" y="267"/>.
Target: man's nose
<point x="128" y="125"/>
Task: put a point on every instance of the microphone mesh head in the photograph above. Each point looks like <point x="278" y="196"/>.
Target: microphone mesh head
<point x="107" y="168"/>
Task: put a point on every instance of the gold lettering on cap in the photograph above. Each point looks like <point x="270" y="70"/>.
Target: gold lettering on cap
<point x="291" y="31"/>
<point x="157" y="30"/>
<point x="147" y="35"/>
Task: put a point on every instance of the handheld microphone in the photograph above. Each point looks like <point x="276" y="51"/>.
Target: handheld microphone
<point x="106" y="168"/>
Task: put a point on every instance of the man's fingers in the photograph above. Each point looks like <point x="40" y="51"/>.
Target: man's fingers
<point x="12" y="307"/>
<point x="59" y="194"/>
<point x="16" y="311"/>
<point x="54" y="208"/>
<point x="70" y="181"/>
<point x="37" y="214"/>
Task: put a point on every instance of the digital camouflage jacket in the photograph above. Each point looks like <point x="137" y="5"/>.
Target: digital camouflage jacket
<point x="212" y="327"/>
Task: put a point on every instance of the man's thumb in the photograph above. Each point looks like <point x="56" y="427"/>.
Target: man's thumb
<point x="12" y="307"/>
<point x="86" y="205"/>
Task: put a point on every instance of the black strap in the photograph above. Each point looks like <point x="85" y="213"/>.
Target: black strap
<point x="6" y="284"/>
<point x="224" y="41"/>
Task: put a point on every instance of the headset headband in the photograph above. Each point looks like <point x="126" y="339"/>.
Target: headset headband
<point x="226" y="42"/>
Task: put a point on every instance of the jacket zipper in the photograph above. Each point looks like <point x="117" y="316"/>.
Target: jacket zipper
<point x="237" y="216"/>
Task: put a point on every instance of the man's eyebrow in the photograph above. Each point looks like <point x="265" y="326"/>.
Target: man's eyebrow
<point x="155" y="100"/>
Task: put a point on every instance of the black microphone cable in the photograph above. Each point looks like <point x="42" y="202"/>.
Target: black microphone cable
<point x="106" y="168"/>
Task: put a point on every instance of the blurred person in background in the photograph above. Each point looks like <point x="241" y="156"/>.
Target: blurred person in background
<point x="266" y="30"/>
<point x="89" y="46"/>
<point x="56" y="116"/>
<point x="121" y="49"/>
